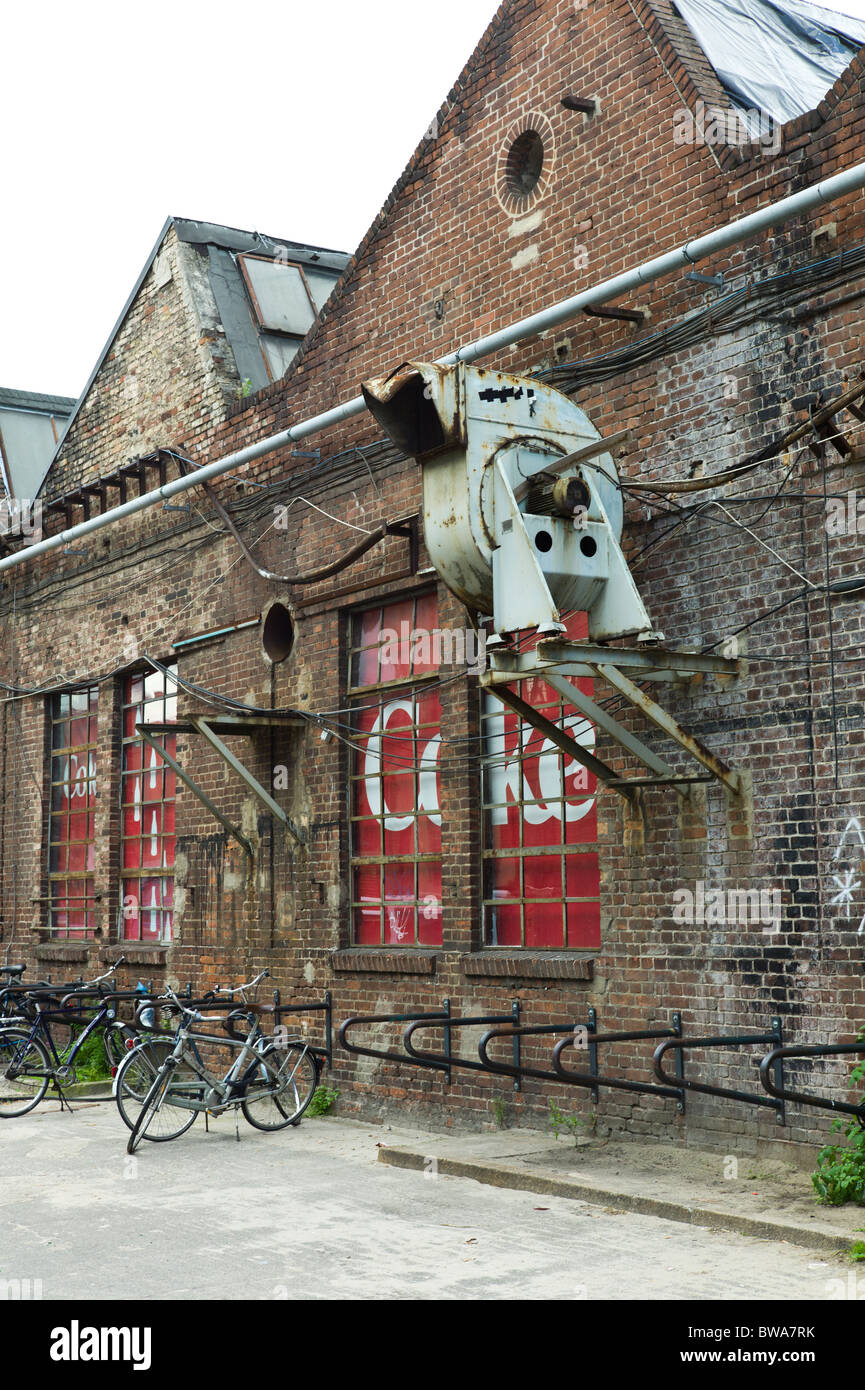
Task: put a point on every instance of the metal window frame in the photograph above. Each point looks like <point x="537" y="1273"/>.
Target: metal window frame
<point x="242" y="258"/>
<point x="521" y="852"/>
<point x="126" y="740"/>
<point x="410" y="686"/>
<point x="66" y="878"/>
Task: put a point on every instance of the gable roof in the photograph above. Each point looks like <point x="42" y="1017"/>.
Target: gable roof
<point x="30" y="422"/>
<point x="222" y="244"/>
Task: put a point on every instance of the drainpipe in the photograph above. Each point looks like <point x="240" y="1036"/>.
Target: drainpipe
<point x="731" y="234"/>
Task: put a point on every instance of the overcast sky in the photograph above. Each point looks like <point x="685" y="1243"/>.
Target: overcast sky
<point x="286" y="118"/>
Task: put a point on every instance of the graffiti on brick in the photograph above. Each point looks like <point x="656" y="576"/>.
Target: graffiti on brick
<point x="846" y="879"/>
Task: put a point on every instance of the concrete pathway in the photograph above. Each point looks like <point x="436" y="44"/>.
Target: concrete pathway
<point x="312" y="1213"/>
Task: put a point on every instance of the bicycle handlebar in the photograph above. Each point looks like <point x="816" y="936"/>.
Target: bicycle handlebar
<point x="239" y="989"/>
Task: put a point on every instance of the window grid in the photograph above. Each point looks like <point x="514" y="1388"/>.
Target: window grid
<point x="395" y="817"/>
<point x="71" y="833"/>
<point x="541" y="879"/>
<point x="147" y="798"/>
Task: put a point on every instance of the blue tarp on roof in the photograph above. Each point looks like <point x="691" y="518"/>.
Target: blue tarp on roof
<point x="778" y="59"/>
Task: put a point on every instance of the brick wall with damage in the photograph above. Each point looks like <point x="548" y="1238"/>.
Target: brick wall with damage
<point x="703" y="384"/>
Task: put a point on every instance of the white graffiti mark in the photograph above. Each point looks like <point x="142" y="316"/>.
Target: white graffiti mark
<point x="846" y="881"/>
<point x="854" y="827"/>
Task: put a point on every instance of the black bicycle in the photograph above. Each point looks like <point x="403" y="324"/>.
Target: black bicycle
<point x="55" y="1024"/>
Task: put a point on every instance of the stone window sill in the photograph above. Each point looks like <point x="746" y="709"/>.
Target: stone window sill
<point x="529" y="965"/>
<point x="380" y="961"/>
<point x="62" y="951"/>
<point x="136" y="953"/>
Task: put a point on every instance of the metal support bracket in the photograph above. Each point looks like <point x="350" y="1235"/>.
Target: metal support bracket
<point x="205" y="727"/>
<point x="193" y="786"/>
<point x="560" y="663"/>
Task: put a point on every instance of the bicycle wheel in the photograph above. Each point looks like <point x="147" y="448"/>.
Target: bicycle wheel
<point x="282" y="1089"/>
<point x="114" y="1040"/>
<point x="22" y="1092"/>
<point x="137" y="1082"/>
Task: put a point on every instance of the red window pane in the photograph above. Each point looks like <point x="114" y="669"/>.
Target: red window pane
<point x="395" y="777"/>
<point x="429" y="893"/>
<point x="544" y="924"/>
<point x="367" y="926"/>
<point x="504" y="926"/>
<point x="584" y="924"/>
<point x="537" y="801"/>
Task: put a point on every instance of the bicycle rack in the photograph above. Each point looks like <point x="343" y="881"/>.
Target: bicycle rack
<point x="774" y="1062"/>
<point x="518" y="1071"/>
<point x="433" y="1064"/>
<point x="593" y="1079"/>
<point x="325" y="1007"/>
<point x="448" y="1060"/>
<point x="680" y="1045"/>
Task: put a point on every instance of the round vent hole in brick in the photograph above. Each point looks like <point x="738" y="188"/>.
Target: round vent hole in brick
<point x="524" y="164"/>
<point x="277" y="637"/>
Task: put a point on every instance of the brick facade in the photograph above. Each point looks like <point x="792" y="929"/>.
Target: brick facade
<point x="444" y="263"/>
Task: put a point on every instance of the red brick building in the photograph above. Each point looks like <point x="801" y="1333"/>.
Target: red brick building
<point x="415" y="856"/>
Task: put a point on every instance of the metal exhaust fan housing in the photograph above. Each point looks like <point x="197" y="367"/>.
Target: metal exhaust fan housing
<point x="522" y="509"/>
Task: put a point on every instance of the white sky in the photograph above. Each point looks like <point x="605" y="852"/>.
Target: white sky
<point x="288" y="118"/>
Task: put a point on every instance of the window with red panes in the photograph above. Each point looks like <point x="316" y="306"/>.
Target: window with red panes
<point x="71" y="833"/>
<point x="541" y="873"/>
<point x="396" y="870"/>
<point x="148" y="789"/>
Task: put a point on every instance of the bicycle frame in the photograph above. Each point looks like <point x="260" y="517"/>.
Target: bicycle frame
<point x="232" y="1087"/>
<point x="39" y="1029"/>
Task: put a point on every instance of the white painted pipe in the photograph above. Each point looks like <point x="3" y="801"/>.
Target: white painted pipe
<point x="688" y="254"/>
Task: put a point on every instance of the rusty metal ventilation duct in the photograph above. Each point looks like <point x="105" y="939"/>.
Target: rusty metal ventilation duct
<point x="522" y="508"/>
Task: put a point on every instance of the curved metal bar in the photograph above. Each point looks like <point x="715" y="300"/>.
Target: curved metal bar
<point x="357" y="1019"/>
<point x="515" y="1034"/>
<point x="680" y="1045"/>
<point x="773" y="1060"/>
<point x="447" y="1060"/>
<point x="324" y="1006"/>
<point x="593" y="1079"/>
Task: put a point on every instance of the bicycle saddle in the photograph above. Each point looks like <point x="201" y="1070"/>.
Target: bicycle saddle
<point x="247" y="1009"/>
<point x="13" y="971"/>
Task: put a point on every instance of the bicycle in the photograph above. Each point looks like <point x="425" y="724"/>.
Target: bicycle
<point x="30" y="1058"/>
<point x="271" y="1084"/>
<point x="12" y="991"/>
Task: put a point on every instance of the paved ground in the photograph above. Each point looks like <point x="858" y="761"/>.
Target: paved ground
<point x="753" y="1196"/>
<point x="311" y="1213"/>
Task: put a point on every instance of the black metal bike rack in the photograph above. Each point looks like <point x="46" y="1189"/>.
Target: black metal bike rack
<point x="680" y="1045"/>
<point x="447" y="1060"/>
<point x="773" y="1063"/>
<point x="518" y="1070"/>
<point x="593" y="1079"/>
<point x="325" y="1007"/>
<point x="437" y="1064"/>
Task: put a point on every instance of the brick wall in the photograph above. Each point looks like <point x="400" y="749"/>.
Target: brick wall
<point x="620" y="190"/>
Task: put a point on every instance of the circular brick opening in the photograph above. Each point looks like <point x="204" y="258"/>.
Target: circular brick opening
<point x="524" y="164"/>
<point x="277" y="634"/>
